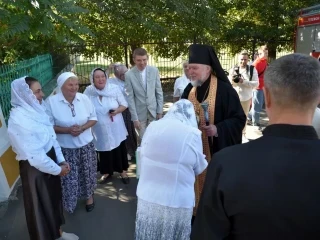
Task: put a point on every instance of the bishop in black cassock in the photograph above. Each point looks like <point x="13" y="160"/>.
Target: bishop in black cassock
<point x="225" y="112"/>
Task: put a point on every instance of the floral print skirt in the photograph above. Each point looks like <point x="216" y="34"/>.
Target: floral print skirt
<point x="81" y="181"/>
<point x="157" y="222"/>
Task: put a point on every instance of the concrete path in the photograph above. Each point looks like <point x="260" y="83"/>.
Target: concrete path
<point x="113" y="217"/>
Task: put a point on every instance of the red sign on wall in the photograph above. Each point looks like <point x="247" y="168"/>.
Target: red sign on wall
<point x="309" y="20"/>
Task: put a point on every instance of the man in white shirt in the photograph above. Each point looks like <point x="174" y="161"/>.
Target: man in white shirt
<point x="145" y="96"/>
<point x="244" y="79"/>
<point x="181" y="82"/>
<point x="316" y="121"/>
<point x="119" y="72"/>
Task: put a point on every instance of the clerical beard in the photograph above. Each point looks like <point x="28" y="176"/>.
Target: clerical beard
<point x="198" y="83"/>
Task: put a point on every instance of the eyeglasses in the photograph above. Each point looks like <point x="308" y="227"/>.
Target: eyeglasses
<point x="71" y="106"/>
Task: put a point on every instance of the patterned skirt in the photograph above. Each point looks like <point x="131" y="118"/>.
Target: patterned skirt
<point x="82" y="179"/>
<point x="131" y="142"/>
<point x="157" y="222"/>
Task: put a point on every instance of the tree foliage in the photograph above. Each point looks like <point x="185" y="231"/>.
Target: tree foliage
<point x="114" y="27"/>
<point x="168" y="24"/>
<point x="31" y="27"/>
<point x="262" y="22"/>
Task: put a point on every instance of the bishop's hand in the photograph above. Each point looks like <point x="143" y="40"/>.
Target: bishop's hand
<point x="210" y="130"/>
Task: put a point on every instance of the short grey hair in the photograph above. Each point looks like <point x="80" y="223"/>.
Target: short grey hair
<point x="294" y="81"/>
<point x="118" y="67"/>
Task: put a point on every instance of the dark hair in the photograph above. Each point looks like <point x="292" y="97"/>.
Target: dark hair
<point x="100" y="70"/>
<point x="30" y="80"/>
<point x="139" y="52"/>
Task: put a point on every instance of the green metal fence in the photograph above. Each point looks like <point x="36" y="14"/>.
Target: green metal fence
<point x="39" y="67"/>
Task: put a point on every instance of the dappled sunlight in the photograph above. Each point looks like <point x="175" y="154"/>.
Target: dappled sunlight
<point x="111" y="191"/>
<point x="116" y="190"/>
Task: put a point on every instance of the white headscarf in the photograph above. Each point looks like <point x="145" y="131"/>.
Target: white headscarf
<point x="93" y="91"/>
<point x="24" y="101"/>
<point x="63" y="78"/>
<point x="29" y="126"/>
<point x="183" y="111"/>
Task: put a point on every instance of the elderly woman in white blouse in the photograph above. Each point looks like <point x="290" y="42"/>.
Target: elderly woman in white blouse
<point x="73" y="116"/>
<point x="110" y="132"/>
<point x="171" y="158"/>
<point x="40" y="161"/>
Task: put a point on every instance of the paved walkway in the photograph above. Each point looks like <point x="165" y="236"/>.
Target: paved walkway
<point x="113" y="217"/>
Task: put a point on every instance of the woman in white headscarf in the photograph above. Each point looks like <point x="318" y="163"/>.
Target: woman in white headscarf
<point x="40" y="160"/>
<point x="73" y="116"/>
<point x="110" y="132"/>
<point x="171" y="157"/>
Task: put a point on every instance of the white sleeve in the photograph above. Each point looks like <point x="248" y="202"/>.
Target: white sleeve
<point x="120" y="98"/>
<point x="201" y="162"/>
<point x="131" y="101"/>
<point x="176" y="92"/>
<point x="26" y="147"/>
<point x="57" y="149"/>
<point x="49" y="110"/>
<point x="90" y="108"/>
<point x="254" y="81"/>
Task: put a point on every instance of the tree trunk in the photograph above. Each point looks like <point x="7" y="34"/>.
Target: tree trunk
<point x="272" y="51"/>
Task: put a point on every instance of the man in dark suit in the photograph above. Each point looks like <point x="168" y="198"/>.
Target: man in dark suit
<point x="268" y="189"/>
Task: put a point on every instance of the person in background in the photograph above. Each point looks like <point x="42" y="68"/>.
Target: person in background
<point x="181" y="82"/>
<point x="110" y="132"/>
<point x="73" y="115"/>
<point x="131" y="141"/>
<point x="171" y="157"/>
<point x="211" y="87"/>
<point x="41" y="161"/>
<point x="244" y="79"/>
<point x="261" y="65"/>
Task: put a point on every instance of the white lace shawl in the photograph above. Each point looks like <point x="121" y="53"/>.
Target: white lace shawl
<point x="182" y="110"/>
<point x="30" y="131"/>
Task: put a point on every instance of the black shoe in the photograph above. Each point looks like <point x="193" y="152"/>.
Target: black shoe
<point x="125" y="180"/>
<point x="90" y="207"/>
<point x="104" y="180"/>
<point x="256" y="124"/>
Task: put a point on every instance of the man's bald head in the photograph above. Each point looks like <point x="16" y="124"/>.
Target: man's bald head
<point x="120" y="70"/>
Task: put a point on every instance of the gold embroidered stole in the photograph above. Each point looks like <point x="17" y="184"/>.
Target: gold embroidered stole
<point x="211" y="99"/>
